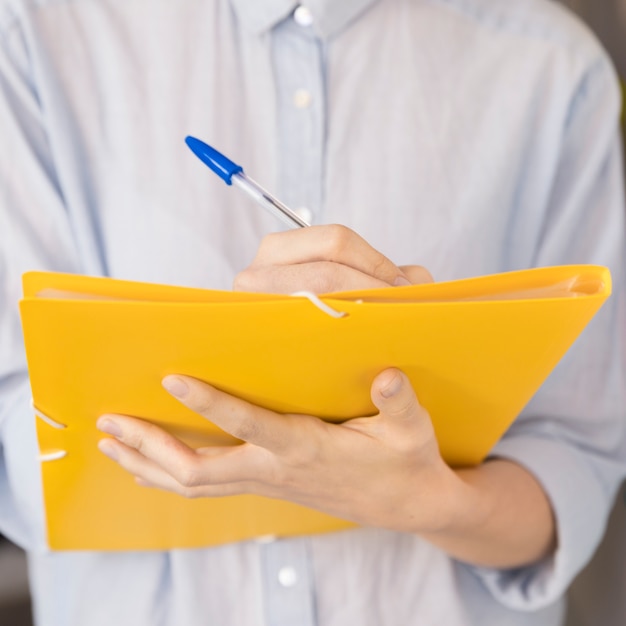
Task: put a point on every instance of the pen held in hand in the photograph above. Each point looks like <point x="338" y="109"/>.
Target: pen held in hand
<point x="231" y="173"/>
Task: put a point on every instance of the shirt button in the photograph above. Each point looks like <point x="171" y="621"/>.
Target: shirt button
<point x="304" y="213"/>
<point x="287" y="576"/>
<point x="302" y="16"/>
<point x="302" y="98"/>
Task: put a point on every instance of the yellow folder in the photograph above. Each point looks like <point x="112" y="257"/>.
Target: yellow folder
<point x="476" y="351"/>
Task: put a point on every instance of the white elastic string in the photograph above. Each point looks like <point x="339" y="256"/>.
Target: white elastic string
<point x="52" y="456"/>
<point x="45" y="418"/>
<point x="322" y="306"/>
<point x="57" y="454"/>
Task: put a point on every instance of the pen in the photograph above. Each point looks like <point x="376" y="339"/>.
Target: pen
<point x="231" y="173"/>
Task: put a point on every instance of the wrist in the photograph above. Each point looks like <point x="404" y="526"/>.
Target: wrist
<point x="453" y="506"/>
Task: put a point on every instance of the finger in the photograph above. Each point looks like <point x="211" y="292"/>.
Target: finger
<point x="146" y="445"/>
<point x="148" y="474"/>
<point x="402" y="420"/>
<point x="205" y="491"/>
<point x="239" y="418"/>
<point x="138" y="465"/>
<point x="147" y="451"/>
<point x="148" y="439"/>
<point x="417" y="274"/>
<point x="334" y="243"/>
<point x="317" y="277"/>
<point x="395" y="398"/>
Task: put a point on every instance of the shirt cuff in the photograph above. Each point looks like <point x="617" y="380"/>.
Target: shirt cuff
<point x="580" y="501"/>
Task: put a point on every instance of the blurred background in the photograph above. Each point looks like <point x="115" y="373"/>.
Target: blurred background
<point x="14" y="599"/>
<point x="598" y="596"/>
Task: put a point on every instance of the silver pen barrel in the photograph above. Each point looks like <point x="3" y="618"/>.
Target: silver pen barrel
<point x="267" y="201"/>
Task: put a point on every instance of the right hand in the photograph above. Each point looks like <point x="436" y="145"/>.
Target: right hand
<point x="323" y="259"/>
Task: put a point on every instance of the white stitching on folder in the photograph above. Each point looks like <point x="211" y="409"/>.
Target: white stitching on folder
<point x="52" y="456"/>
<point x="57" y="454"/>
<point x="45" y="418"/>
<point x="322" y="306"/>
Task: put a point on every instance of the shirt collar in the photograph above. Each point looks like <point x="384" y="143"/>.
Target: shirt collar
<point x="261" y="15"/>
<point x="330" y="16"/>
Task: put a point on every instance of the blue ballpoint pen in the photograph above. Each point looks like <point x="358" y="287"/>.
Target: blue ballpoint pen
<point x="231" y="173"/>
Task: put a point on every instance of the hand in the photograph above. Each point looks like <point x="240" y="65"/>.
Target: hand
<point x="322" y="259"/>
<point x="383" y="471"/>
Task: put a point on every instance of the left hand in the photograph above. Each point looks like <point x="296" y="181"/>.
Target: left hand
<point x="383" y="471"/>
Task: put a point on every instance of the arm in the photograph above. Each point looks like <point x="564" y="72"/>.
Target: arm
<point x="382" y="471"/>
<point x="572" y="434"/>
<point x="34" y="233"/>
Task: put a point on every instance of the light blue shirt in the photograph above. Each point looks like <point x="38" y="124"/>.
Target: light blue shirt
<point x="469" y="136"/>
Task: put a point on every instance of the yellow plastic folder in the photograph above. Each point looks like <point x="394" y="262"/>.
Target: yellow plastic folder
<point x="476" y="351"/>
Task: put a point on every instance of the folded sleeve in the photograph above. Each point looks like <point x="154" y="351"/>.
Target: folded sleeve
<point x="572" y="435"/>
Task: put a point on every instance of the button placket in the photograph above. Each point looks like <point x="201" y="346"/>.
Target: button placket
<point x="300" y="89"/>
<point x="288" y="587"/>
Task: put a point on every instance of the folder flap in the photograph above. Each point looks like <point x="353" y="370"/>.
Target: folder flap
<point x="76" y="286"/>
<point x="543" y="282"/>
<point x="560" y="281"/>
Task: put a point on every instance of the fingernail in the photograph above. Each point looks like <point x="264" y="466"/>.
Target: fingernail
<point x="392" y="387"/>
<point x="401" y="281"/>
<point x="109" y="427"/>
<point x="176" y="386"/>
<point x="107" y="448"/>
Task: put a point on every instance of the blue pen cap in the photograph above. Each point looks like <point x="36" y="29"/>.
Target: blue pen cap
<point x="221" y="165"/>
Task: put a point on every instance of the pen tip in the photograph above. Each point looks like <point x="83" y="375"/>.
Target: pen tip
<point x="216" y="161"/>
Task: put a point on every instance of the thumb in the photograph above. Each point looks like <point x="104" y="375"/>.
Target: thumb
<point x="393" y="395"/>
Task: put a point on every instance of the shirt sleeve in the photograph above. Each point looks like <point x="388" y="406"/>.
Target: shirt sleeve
<point x="572" y="434"/>
<point x="35" y="234"/>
